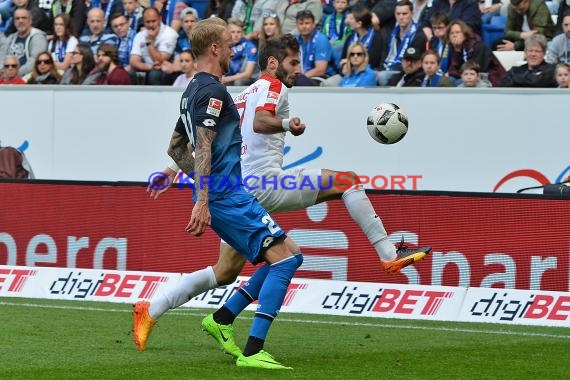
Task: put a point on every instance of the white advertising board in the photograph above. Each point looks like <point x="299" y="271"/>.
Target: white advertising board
<point x="438" y="303"/>
<point x="459" y="139"/>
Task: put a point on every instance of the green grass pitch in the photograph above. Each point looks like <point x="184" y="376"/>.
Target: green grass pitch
<point x="44" y="339"/>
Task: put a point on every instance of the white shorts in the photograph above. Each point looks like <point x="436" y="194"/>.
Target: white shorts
<point x="285" y="190"/>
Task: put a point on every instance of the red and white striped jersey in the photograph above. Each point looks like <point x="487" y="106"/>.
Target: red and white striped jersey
<point x="262" y="151"/>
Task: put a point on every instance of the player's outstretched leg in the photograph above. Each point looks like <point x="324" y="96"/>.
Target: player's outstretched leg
<point x="404" y="257"/>
<point x="360" y="208"/>
<point x="146" y="313"/>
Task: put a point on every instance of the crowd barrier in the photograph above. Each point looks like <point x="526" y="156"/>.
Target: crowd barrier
<point x="480" y="140"/>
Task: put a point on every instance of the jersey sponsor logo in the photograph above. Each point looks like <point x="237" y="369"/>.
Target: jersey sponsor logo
<point x="272" y="97"/>
<point x="214" y="107"/>
<point x="209" y="122"/>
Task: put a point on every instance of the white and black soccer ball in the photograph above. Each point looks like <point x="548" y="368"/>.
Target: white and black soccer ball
<point x="387" y="123"/>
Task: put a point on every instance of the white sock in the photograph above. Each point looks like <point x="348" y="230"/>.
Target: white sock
<point x="189" y="286"/>
<point x="361" y="210"/>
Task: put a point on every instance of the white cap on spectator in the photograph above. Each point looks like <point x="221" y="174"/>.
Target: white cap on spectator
<point x="189" y="10"/>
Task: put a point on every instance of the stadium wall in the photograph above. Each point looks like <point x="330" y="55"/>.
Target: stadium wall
<point x="459" y="139"/>
<point x="479" y="240"/>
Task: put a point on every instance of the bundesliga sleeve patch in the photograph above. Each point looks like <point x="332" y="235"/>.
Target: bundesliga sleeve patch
<point x="214" y="107"/>
<point x="272" y="97"/>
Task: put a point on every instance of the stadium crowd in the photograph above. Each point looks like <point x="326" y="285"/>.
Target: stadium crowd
<point x="356" y="43"/>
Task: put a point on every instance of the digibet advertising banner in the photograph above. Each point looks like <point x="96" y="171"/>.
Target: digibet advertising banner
<point x="489" y="242"/>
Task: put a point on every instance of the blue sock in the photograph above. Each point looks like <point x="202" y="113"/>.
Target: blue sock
<point x="247" y="293"/>
<point x="272" y="294"/>
<point x="250" y="291"/>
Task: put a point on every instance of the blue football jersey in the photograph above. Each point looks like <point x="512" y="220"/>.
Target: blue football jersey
<point x="207" y="104"/>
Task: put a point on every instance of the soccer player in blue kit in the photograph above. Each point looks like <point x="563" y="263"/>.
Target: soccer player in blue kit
<point x="210" y="122"/>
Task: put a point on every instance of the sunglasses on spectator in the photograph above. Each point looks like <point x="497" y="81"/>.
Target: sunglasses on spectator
<point x="75" y="53"/>
<point x="10" y="66"/>
<point x="356" y="54"/>
<point x="44" y="62"/>
<point x="269" y="14"/>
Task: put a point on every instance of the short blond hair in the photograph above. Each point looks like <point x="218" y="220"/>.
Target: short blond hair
<point x="205" y="33"/>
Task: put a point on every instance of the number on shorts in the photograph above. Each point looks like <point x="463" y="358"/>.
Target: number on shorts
<point x="271" y="225"/>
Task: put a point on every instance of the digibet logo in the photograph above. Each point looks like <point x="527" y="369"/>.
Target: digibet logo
<point x="509" y="307"/>
<point x="79" y="285"/>
<point x="396" y="301"/>
<point x="14" y="280"/>
<point x="219" y="296"/>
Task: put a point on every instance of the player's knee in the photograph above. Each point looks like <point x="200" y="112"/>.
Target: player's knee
<point x="226" y="275"/>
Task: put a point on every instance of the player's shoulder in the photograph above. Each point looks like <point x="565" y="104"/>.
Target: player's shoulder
<point x="205" y="84"/>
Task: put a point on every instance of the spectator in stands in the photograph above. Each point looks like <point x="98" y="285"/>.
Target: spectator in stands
<point x="464" y="10"/>
<point x="562" y="74"/>
<point x="63" y="42"/>
<point x="335" y="28"/>
<point x="189" y="17"/>
<point x="10" y="72"/>
<point x="412" y="74"/>
<point x="419" y="7"/>
<point x="489" y="8"/>
<point x="439" y="22"/>
<point x="6" y="11"/>
<point x="39" y="19"/>
<point x="525" y="18"/>
<point x="26" y="43"/>
<point x="108" y="7"/>
<point x="76" y="11"/>
<point x="271" y="27"/>
<point x="188" y="68"/>
<point x="433" y="76"/>
<point x="359" y="19"/>
<point x="108" y="71"/>
<point x="81" y="65"/>
<point x="151" y="47"/>
<point x="315" y="49"/>
<point x="287" y="12"/>
<point x="133" y="12"/>
<point x="406" y="33"/>
<point x="471" y="76"/>
<point x="357" y="71"/>
<point x="220" y="8"/>
<point x="97" y="35"/>
<point x="243" y="65"/>
<point x="563" y="8"/>
<point x="382" y="14"/>
<point x="559" y="49"/>
<point x="44" y="71"/>
<point x="250" y="14"/>
<point x="536" y="72"/>
<point x="463" y="46"/>
<point x="125" y="37"/>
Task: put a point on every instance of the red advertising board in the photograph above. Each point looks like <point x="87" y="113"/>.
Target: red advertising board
<point x="481" y="241"/>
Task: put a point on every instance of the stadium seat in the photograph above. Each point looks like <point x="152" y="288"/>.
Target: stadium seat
<point x="510" y="58"/>
<point x="494" y="30"/>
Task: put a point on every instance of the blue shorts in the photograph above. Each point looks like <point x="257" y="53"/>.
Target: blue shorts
<point x="242" y="223"/>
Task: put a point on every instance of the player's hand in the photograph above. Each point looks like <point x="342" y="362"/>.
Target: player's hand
<point x="296" y="127"/>
<point x="161" y="183"/>
<point x="200" y="218"/>
<point x="506" y="46"/>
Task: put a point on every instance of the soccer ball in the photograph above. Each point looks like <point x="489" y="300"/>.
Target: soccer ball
<point x="387" y="123"/>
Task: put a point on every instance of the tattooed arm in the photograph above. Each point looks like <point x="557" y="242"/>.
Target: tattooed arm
<point x="201" y="218"/>
<point x="180" y="150"/>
